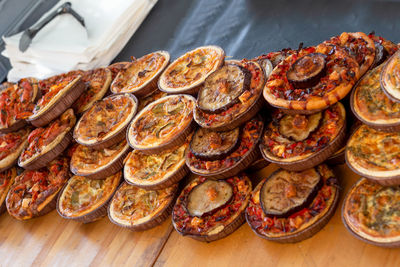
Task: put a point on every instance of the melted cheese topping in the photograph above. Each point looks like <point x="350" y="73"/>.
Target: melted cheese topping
<point x="373" y="150"/>
<point x="88" y="160"/>
<point x="373" y="211"/>
<point x="148" y="169"/>
<point x="132" y="205"/>
<point x="192" y="67"/>
<point x="105" y="118"/>
<point x="371" y="103"/>
<point x="82" y="195"/>
<point x="139" y="72"/>
<point x="161" y="121"/>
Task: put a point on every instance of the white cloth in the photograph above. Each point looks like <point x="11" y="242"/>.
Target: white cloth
<point x="64" y="45"/>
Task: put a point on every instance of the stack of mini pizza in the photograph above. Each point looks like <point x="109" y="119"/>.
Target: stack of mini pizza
<point x="149" y="123"/>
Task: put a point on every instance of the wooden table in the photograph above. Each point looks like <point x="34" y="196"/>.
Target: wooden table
<point x="53" y="241"/>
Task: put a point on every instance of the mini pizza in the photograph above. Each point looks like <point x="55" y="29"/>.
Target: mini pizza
<point x="230" y="96"/>
<point x="372" y="106"/>
<point x="57" y="99"/>
<point x="98" y="164"/>
<point x="375" y="155"/>
<point x="86" y="200"/>
<point x="298" y="142"/>
<point x="44" y="144"/>
<point x="156" y="171"/>
<point x="371" y="213"/>
<point x="208" y="210"/>
<point x="6" y="181"/>
<point x="383" y="49"/>
<point x="189" y="71"/>
<point x="16" y="104"/>
<point x="276" y="57"/>
<point x="138" y="209"/>
<point x="289" y="207"/>
<point x="312" y="79"/>
<point x="163" y="124"/>
<point x="34" y="193"/>
<point x="45" y="84"/>
<point x="11" y="147"/>
<point x="140" y="77"/>
<point x="359" y="46"/>
<point x="98" y="81"/>
<point x="390" y="77"/>
<point x="104" y="124"/>
<point x="144" y="101"/>
<point x="224" y="154"/>
<point x="116" y="68"/>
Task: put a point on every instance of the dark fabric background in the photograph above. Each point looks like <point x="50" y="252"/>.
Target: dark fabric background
<point x="243" y="28"/>
<point x="249" y="28"/>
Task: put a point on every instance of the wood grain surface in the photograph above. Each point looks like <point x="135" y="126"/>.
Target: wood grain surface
<point x="53" y="241"/>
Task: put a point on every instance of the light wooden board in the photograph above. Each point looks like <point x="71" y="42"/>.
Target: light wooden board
<point x="53" y="241"/>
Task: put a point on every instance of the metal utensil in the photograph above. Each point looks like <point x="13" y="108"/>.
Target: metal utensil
<point x="30" y="33"/>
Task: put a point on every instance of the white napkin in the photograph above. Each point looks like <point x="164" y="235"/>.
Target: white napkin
<point x="64" y="45"/>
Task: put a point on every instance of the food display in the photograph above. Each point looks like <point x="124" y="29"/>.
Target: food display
<point x="17" y="102"/>
<point x="100" y="163"/>
<point x="105" y="122"/>
<point x="86" y="200"/>
<point x="34" y="193"/>
<point x="208" y="210"/>
<point x="224" y="154"/>
<point x="45" y="144"/>
<point x="298" y="142"/>
<point x="98" y="81"/>
<point x="188" y="72"/>
<point x="11" y="146"/>
<point x="56" y="99"/>
<point x="230" y="96"/>
<point x="6" y="181"/>
<point x="138" y="209"/>
<point x="372" y="106"/>
<point x="312" y="79"/>
<point x="140" y="77"/>
<point x="375" y="154"/>
<point x="163" y="124"/>
<point x="291" y="206"/>
<point x="156" y="171"/>
<point x="371" y="213"/>
<point x="390" y="78"/>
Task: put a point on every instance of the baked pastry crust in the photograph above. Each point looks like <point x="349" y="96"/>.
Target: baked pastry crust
<point x="17" y="102"/>
<point x="215" y="224"/>
<point x="371" y="212"/>
<point x="34" y="193"/>
<point x="81" y="196"/>
<point x="303" y="223"/>
<point x="44" y="144"/>
<point x="105" y="120"/>
<point x="187" y="72"/>
<point x="11" y="146"/>
<point x="140" y="76"/>
<point x="342" y="72"/>
<point x="140" y="209"/>
<point x="164" y="123"/>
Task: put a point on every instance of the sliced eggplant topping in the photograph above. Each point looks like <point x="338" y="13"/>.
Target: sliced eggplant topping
<point x="298" y="127"/>
<point x="211" y="145"/>
<point x="381" y="54"/>
<point x="286" y="192"/>
<point x="223" y="88"/>
<point x="208" y="197"/>
<point x="266" y="65"/>
<point x="307" y="70"/>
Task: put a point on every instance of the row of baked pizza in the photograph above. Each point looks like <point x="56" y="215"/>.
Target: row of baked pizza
<point x="207" y="115"/>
